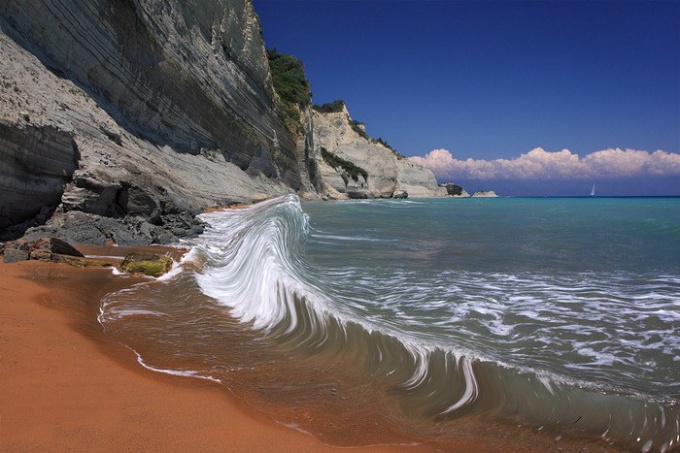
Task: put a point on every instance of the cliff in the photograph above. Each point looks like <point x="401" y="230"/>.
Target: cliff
<point x="341" y="145"/>
<point x="121" y="119"/>
<point x="138" y="111"/>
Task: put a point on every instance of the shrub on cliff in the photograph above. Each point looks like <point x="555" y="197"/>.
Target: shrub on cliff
<point x="453" y="189"/>
<point x="288" y="75"/>
<point x="387" y="145"/>
<point x="358" y="127"/>
<point x="349" y="170"/>
<point x="330" y="107"/>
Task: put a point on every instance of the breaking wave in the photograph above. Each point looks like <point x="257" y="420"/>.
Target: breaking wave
<point x="247" y="283"/>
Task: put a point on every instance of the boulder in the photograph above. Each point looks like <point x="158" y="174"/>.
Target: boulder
<point x="13" y="255"/>
<point x="150" y="264"/>
<point x="359" y="194"/>
<point x="49" y="246"/>
<point x="44" y="249"/>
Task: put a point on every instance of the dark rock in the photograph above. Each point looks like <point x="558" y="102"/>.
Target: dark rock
<point x="164" y="238"/>
<point x="74" y="227"/>
<point x="13" y="255"/>
<point x="136" y="201"/>
<point x="360" y="194"/>
<point x="197" y="229"/>
<point x="54" y="245"/>
<point x="157" y="234"/>
<point x="81" y="228"/>
<point x="400" y="194"/>
<point x="37" y="163"/>
<point x="42" y="248"/>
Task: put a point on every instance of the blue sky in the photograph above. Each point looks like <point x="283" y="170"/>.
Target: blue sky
<point x="495" y="80"/>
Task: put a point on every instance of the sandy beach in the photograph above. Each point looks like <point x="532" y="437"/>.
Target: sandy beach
<point x="66" y="387"/>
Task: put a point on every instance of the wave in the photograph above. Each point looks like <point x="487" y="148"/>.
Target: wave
<point x="251" y="262"/>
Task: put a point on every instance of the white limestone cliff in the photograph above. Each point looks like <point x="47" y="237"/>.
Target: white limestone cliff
<point x="135" y="110"/>
<point x="388" y="174"/>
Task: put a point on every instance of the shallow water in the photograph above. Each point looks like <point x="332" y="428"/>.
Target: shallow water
<point x="438" y="316"/>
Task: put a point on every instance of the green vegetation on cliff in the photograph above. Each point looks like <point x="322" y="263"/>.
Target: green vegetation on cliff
<point x="453" y="189"/>
<point x="290" y="83"/>
<point x="358" y="127"/>
<point x="349" y="170"/>
<point x="387" y="145"/>
<point x="330" y="107"/>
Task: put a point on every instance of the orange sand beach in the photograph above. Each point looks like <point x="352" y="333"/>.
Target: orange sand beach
<point x="64" y="386"/>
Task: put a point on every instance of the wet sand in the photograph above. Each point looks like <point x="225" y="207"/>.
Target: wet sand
<point x="64" y="386"/>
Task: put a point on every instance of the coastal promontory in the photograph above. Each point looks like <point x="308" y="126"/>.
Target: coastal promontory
<point x="120" y="121"/>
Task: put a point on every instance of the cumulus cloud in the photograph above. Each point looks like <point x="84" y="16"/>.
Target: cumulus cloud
<point x="541" y="164"/>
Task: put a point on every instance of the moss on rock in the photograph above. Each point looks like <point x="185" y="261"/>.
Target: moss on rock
<point x="146" y="263"/>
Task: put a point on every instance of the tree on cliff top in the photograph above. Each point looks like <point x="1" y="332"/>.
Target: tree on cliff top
<point x="330" y="107"/>
<point x="290" y="83"/>
<point x="289" y="78"/>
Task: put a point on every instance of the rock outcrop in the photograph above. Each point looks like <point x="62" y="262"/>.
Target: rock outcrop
<point x="150" y="264"/>
<point x="43" y="249"/>
<point x="455" y="190"/>
<point x="338" y="138"/>
<point x="484" y="194"/>
<point x="36" y="164"/>
<point x="122" y="119"/>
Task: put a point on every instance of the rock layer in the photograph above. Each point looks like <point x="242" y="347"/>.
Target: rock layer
<point x="172" y="73"/>
<point x="389" y="175"/>
<point x="36" y="163"/>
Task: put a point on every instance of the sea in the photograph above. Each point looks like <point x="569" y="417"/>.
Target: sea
<point x="505" y="318"/>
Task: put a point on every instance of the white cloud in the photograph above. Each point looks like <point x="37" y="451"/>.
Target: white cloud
<point x="541" y="164"/>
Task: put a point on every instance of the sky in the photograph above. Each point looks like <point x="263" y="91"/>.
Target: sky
<point x="525" y="98"/>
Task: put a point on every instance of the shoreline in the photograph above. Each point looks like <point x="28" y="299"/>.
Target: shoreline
<point x="66" y="385"/>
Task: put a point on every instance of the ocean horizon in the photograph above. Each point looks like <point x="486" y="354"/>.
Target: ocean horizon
<point x="545" y="316"/>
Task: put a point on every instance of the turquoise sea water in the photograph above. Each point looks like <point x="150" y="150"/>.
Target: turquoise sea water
<point x="555" y="313"/>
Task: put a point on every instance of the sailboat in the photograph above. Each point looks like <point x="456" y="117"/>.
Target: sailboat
<point x="592" y="191"/>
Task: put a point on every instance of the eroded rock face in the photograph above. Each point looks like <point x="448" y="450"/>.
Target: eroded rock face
<point x="388" y="173"/>
<point x="174" y="73"/>
<point x="35" y="165"/>
<point x="169" y="105"/>
<point x="417" y="181"/>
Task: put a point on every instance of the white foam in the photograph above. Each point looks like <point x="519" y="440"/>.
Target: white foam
<point x="180" y="373"/>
